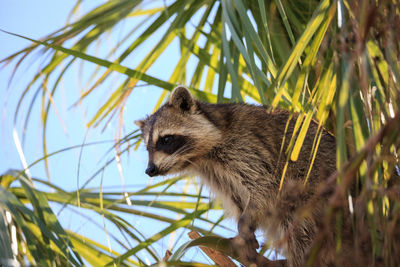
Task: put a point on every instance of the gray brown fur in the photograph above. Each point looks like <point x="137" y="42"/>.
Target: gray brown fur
<point x="235" y="149"/>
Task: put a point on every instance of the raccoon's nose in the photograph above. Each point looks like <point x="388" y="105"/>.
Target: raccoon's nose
<point x="151" y="170"/>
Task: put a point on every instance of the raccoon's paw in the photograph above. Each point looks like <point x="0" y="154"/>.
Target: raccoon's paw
<point x="245" y="250"/>
<point x="248" y="240"/>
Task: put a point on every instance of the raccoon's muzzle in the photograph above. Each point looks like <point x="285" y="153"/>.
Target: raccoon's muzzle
<point x="152" y="170"/>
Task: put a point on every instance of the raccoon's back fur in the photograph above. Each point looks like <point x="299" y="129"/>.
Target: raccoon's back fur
<point x="236" y="150"/>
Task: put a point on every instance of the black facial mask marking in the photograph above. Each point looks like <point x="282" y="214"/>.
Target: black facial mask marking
<point x="171" y="143"/>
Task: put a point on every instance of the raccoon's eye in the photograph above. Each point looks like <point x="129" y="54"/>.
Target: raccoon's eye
<point x="167" y="140"/>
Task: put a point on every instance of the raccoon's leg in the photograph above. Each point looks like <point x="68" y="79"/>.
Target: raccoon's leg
<point x="246" y="229"/>
<point x="245" y="242"/>
<point x="299" y="230"/>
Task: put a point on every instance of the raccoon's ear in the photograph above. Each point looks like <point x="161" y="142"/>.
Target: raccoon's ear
<point x="182" y="99"/>
<point x="140" y="123"/>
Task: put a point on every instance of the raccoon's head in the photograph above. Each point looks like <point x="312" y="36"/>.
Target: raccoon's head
<point x="177" y="135"/>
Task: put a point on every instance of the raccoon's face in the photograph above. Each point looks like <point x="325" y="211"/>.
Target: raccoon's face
<point x="177" y="135"/>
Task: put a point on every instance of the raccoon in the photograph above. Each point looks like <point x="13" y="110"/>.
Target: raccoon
<point x="238" y="151"/>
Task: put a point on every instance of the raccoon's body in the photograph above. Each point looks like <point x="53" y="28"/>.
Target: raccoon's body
<point x="236" y="149"/>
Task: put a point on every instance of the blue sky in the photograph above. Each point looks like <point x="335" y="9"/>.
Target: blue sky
<point x="67" y="124"/>
<point x="29" y="18"/>
<point x="35" y="19"/>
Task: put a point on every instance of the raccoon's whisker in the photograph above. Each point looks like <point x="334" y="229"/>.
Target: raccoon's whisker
<point x="170" y="162"/>
<point x="180" y="151"/>
<point x="191" y="162"/>
<point x="172" y="158"/>
<point x="183" y="149"/>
